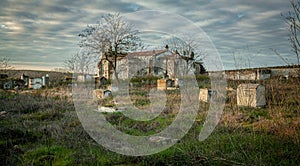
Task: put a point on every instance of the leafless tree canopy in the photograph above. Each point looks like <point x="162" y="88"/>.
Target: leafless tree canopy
<point x="5" y="64"/>
<point x="112" y="37"/>
<point x="293" y="20"/>
<point x="188" y="49"/>
<point x="81" y="63"/>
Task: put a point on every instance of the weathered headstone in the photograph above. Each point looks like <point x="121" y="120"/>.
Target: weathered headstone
<point x="178" y="83"/>
<point x="161" y="84"/>
<point x="170" y="83"/>
<point x="206" y="94"/>
<point x="80" y="78"/>
<point x="101" y="93"/>
<point x="251" y="95"/>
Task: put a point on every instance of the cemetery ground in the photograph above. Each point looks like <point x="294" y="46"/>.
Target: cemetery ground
<point x="41" y="127"/>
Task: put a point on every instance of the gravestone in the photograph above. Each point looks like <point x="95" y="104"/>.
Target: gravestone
<point x="170" y="83"/>
<point x="178" y="83"/>
<point x="101" y="93"/>
<point x="251" y="95"/>
<point x="161" y="84"/>
<point x="206" y="94"/>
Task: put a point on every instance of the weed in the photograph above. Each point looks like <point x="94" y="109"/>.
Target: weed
<point x="42" y="128"/>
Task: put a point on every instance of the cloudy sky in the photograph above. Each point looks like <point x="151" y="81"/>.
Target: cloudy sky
<point x="41" y="34"/>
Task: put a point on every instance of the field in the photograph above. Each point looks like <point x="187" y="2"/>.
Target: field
<point x="42" y="128"/>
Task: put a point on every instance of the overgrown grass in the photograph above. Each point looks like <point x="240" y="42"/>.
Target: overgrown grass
<point x="42" y="128"/>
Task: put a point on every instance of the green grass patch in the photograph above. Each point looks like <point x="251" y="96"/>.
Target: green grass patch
<point x="54" y="155"/>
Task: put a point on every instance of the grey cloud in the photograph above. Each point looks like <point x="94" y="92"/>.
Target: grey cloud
<point x="48" y="29"/>
<point x="26" y="15"/>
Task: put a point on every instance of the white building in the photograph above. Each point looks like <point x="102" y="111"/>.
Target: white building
<point x="84" y="78"/>
<point x="162" y="63"/>
<point x="35" y="83"/>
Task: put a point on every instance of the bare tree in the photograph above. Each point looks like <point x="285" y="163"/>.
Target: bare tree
<point x="188" y="50"/>
<point x="280" y="56"/>
<point x="242" y="57"/>
<point x="70" y="63"/>
<point x="293" y="20"/>
<point x="112" y="37"/>
<point x="5" y="64"/>
<point x="81" y="63"/>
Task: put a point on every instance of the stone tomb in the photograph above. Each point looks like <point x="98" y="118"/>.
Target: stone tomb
<point x="251" y="95"/>
<point x="206" y="94"/>
<point x="161" y="84"/>
<point x="164" y="84"/>
<point x="101" y="93"/>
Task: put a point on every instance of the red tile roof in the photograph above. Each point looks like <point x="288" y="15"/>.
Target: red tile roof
<point x="146" y="53"/>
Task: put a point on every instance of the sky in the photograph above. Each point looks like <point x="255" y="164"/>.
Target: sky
<point x="40" y="34"/>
